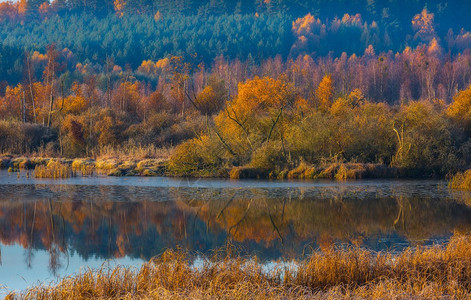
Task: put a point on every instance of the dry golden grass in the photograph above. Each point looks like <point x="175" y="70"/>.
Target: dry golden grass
<point x="303" y="171"/>
<point x="86" y="167"/>
<point x="54" y="169"/>
<point x="133" y="152"/>
<point x="420" y="273"/>
<point x="63" y="168"/>
<point x="340" y="171"/>
<point x="461" y="181"/>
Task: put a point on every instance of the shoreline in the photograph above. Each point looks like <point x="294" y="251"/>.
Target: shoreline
<point x="53" y="167"/>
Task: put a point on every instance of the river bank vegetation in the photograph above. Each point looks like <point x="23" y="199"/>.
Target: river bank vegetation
<point x="433" y="273"/>
<point x="262" y="134"/>
<point x="258" y="90"/>
<point x="461" y="181"/>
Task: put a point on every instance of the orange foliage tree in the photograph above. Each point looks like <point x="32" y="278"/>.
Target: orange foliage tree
<point x="212" y="98"/>
<point x="127" y="98"/>
<point x="119" y="6"/>
<point x="423" y="24"/>
<point x="324" y="93"/>
<point x="460" y="109"/>
<point x="257" y="113"/>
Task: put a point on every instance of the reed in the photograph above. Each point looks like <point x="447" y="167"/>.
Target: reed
<point x="461" y="181"/>
<point x="438" y="272"/>
<point x="303" y="171"/>
<point x="86" y="167"/>
<point x="135" y="152"/>
<point x="54" y="169"/>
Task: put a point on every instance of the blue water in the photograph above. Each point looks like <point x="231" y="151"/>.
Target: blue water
<point x="54" y="228"/>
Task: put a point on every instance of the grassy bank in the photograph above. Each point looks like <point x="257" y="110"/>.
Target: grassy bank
<point x="64" y="168"/>
<point x="111" y="161"/>
<point x="148" y="162"/>
<point x="334" y="170"/>
<point x="423" y="273"/>
<point x="113" y="165"/>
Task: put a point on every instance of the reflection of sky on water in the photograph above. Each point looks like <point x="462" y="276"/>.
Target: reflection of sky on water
<point x="16" y="275"/>
<point x="95" y="219"/>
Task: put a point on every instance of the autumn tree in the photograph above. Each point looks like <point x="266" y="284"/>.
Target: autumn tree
<point x="356" y="97"/>
<point x="74" y="128"/>
<point x="324" y="93"/>
<point x="179" y="83"/>
<point x="157" y="16"/>
<point x="154" y="103"/>
<point x="425" y="138"/>
<point x="13" y="105"/>
<point x="119" y="6"/>
<point x="45" y="9"/>
<point x="212" y="98"/>
<point x="460" y="108"/>
<point x="127" y="97"/>
<point x="8" y="11"/>
<point x="423" y="24"/>
<point x="22" y="7"/>
<point x="256" y="114"/>
<point x="49" y="76"/>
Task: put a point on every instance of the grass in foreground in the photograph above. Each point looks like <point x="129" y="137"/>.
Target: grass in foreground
<point x="422" y="273"/>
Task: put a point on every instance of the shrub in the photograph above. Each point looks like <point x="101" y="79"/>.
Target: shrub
<point x="461" y="181"/>
<point x="196" y="157"/>
<point x="248" y="173"/>
<point x="24" y="138"/>
<point x="270" y="156"/>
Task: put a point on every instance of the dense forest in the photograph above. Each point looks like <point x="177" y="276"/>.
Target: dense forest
<point x="272" y="85"/>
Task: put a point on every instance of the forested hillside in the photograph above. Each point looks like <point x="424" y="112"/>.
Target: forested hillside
<point x="271" y="85"/>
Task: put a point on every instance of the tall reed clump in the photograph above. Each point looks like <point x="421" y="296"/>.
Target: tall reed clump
<point x="86" y="167"/>
<point x="54" y="169"/>
<point x="439" y="272"/>
<point x="461" y="181"/>
<point x="138" y="152"/>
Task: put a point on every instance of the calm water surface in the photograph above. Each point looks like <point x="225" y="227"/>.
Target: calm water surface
<point x="53" y="228"/>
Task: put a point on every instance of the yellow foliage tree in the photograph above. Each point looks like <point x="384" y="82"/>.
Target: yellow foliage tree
<point x="75" y="103"/>
<point x="148" y="67"/>
<point x="157" y="16"/>
<point x="255" y="115"/>
<point x="460" y="109"/>
<point x="356" y="97"/>
<point x="41" y="101"/>
<point x="212" y="98"/>
<point x="13" y="103"/>
<point x="207" y="101"/>
<point x="154" y="68"/>
<point x="22" y="7"/>
<point x="154" y="103"/>
<point x="119" y="6"/>
<point x="302" y="26"/>
<point x="324" y="93"/>
<point x="44" y="8"/>
<point x="127" y="98"/>
<point x="423" y="25"/>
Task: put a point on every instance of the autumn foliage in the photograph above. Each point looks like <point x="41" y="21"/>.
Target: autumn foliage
<point x="316" y="103"/>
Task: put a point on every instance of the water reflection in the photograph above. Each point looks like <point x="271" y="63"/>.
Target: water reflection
<point x="107" y="221"/>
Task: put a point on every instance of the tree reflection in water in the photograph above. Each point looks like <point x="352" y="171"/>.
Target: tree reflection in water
<point x="273" y="223"/>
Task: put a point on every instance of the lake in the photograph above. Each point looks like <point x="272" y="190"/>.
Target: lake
<point x="53" y="228"/>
